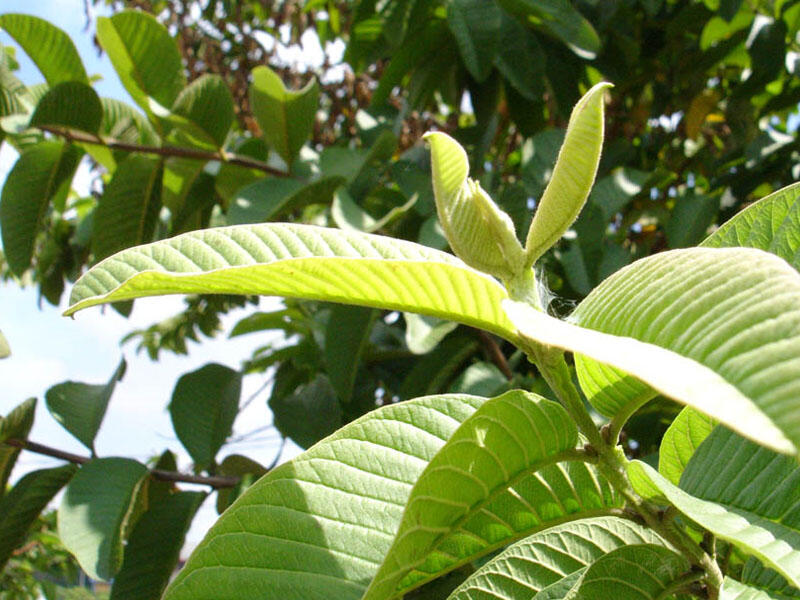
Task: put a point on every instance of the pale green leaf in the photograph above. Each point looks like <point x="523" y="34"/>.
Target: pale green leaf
<point x="562" y="587"/>
<point x="285" y="117"/>
<point x="306" y="262"/>
<point x="270" y="198"/>
<point x="715" y="329"/>
<point x="633" y="572"/>
<point x="94" y="513"/>
<point x="80" y="407"/>
<point x="481" y="379"/>
<point x="49" y="47"/>
<point x="204" y="110"/>
<point x="128" y="210"/>
<point x="573" y="174"/>
<point x="476" y="26"/>
<point x="350" y="216"/>
<point x="17" y="425"/>
<point x="423" y="334"/>
<point x="204" y="405"/>
<point x="538" y="563"/>
<point x="507" y="439"/>
<point x="5" y="349"/>
<point x="20" y="506"/>
<point x="681" y="440"/>
<point x="70" y="105"/>
<point x="777" y="544"/>
<point x="153" y="547"/>
<point x="733" y="590"/>
<point x="145" y="57"/>
<point x="43" y="173"/>
<point x="319" y="525"/>
<point x="346" y="336"/>
<point x="771" y="224"/>
<point x="479" y="232"/>
<point x="123" y="122"/>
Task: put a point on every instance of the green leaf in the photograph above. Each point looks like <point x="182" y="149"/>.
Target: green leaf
<point x="285" y="117"/>
<point x="771" y="224"/>
<point x="338" y="503"/>
<point x="423" y="334"/>
<point x="526" y="76"/>
<point x="757" y="575"/>
<point x="153" y="548"/>
<point x="681" y="440"/>
<point x="272" y="197"/>
<point x="128" y="210"/>
<point x="561" y="19"/>
<point x="634" y="572"/>
<point x="308" y="412"/>
<point x="43" y="173"/>
<point x="690" y="219"/>
<point x="350" y="216"/>
<point x="476" y="26"/>
<point x="80" y="407"/>
<point x="305" y="262"/>
<point x="546" y="558"/>
<point x="71" y="105"/>
<point x="49" y="47"/>
<point x="20" y="507"/>
<point x="16" y="424"/>
<point x="573" y="174"/>
<point x="236" y="465"/>
<point x="479" y="232"/>
<point x="708" y="333"/>
<point x="145" y="57"/>
<point x="733" y="590"/>
<point x="204" y="110"/>
<point x="777" y="544"/>
<point x="5" y="349"/>
<point x="94" y="513"/>
<point x="204" y="405"/>
<point x="441" y="365"/>
<point x="346" y="335"/>
<point x="507" y="439"/>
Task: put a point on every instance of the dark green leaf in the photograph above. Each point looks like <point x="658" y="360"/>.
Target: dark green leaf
<point x="154" y="546"/>
<point x="127" y="213"/>
<point x="43" y="173"/>
<point x="756" y="574"/>
<point x="205" y="110"/>
<point x="48" y="46"/>
<point x="240" y="466"/>
<point x="690" y="219"/>
<point x="20" y="507"/>
<point x="71" y="105"/>
<point x="346" y="335"/>
<point x="80" y="407"/>
<point x="95" y="512"/>
<point x="16" y="424"/>
<point x="476" y="26"/>
<point x="285" y="117"/>
<point x="203" y="407"/>
<point x="145" y="57"/>
<point x="309" y="413"/>
<point x="527" y="75"/>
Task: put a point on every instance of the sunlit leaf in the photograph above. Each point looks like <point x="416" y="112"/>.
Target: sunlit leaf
<point x="680" y="441"/>
<point x="204" y="110"/>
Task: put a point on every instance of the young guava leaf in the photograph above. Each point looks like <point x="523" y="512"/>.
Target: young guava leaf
<point x="80" y="407"/>
<point x="777" y="544"/>
<point x="680" y="441"/>
<point x="572" y="177"/>
<point x="49" y="47"/>
<point x="301" y="261"/>
<point x="544" y="559"/>
<point x="94" y="512"/>
<point x="479" y="232"/>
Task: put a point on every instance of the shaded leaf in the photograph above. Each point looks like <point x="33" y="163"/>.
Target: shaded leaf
<point x="145" y="57"/>
<point x="16" y="424"/>
<point x="302" y="261"/>
<point x="777" y="544"/>
<point x="346" y="336"/>
<point x="759" y="576"/>
<point x="476" y="26"/>
<point x="153" y="548"/>
<point x="43" y="173"/>
<point x="71" y="104"/>
<point x="423" y="334"/>
<point x="204" y="405"/>
<point x="543" y="560"/>
<point x="236" y="465"/>
<point x="269" y="198"/>
<point x="49" y="47"/>
<point x="128" y="210"/>
<point x="285" y="117"/>
<point x="309" y="413"/>
<point x="26" y="500"/>
<point x="527" y="76"/>
<point x="204" y="110"/>
<point x="94" y="513"/>
<point x="80" y="407"/>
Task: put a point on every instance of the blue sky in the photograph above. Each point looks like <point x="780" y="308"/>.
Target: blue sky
<point x="48" y="348"/>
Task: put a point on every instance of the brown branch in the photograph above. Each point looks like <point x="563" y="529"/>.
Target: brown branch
<point x="215" y="481"/>
<point x="495" y="354"/>
<point x="233" y="159"/>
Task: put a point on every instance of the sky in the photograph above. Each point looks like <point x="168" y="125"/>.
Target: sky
<point x="48" y="348"/>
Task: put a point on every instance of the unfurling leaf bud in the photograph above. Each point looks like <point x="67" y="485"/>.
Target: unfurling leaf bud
<point x="479" y="232"/>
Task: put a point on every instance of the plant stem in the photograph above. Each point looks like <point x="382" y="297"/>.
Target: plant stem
<point x="89" y="138"/>
<point x="495" y="354"/>
<point x="216" y="482"/>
